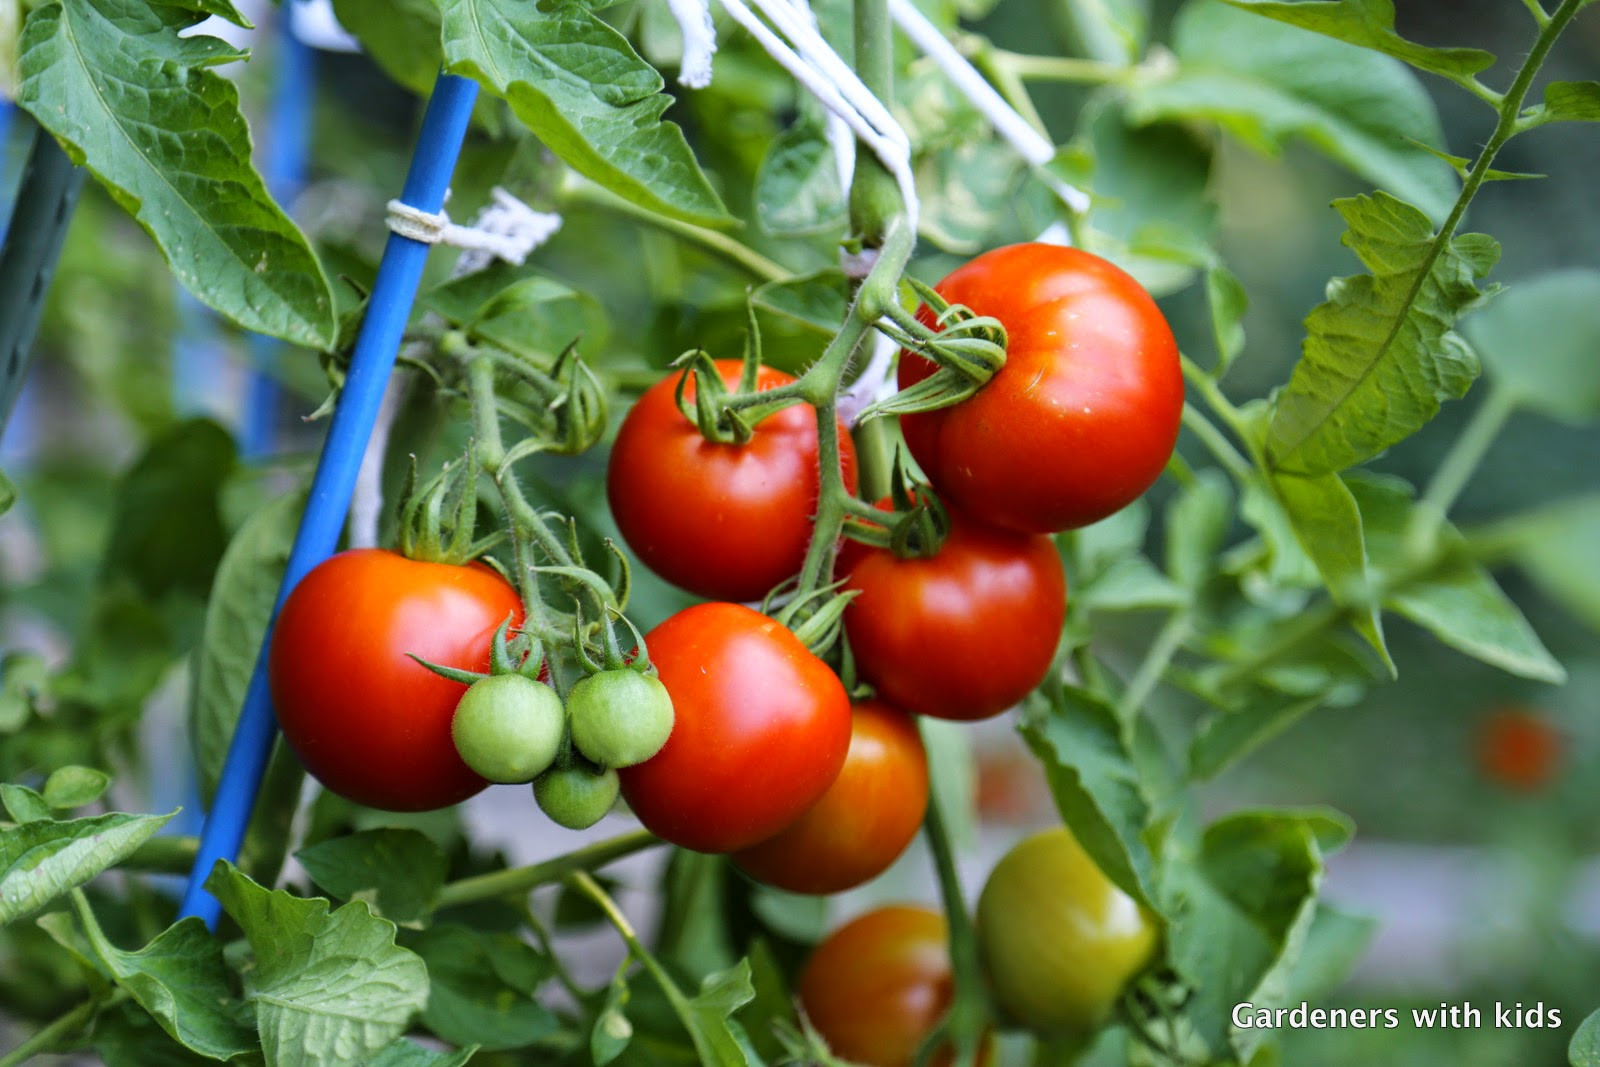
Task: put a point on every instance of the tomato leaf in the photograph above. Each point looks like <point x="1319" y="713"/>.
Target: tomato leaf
<point x="815" y="301"/>
<point x="797" y="185"/>
<point x="580" y="87"/>
<point x="1456" y="600"/>
<point x="1370" y="24"/>
<point x="135" y="103"/>
<point x="1555" y="548"/>
<point x="24" y="804"/>
<point x="1226" y="738"/>
<point x="1380" y="355"/>
<point x="242" y="595"/>
<point x="1584" y="1050"/>
<point x="401" y="36"/>
<point x="1096" y="786"/>
<point x="481" y="987"/>
<point x="611" y="1031"/>
<point x="1334" y="945"/>
<point x="404" y="1053"/>
<point x="1239" y="907"/>
<point x="41" y="860"/>
<point x="180" y="978"/>
<point x="1328" y="525"/>
<point x="520" y="310"/>
<point x="1227" y="301"/>
<point x="326" y="988"/>
<point x="398" y="872"/>
<point x="1113" y="31"/>
<point x="1267" y="82"/>
<point x="719" y="1040"/>
<point x="1558" y="376"/>
<point x="73" y="786"/>
<point x="1198" y="519"/>
<point x="1566" y="102"/>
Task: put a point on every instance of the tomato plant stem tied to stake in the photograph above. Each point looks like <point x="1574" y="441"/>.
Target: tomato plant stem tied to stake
<point x="367" y="721"/>
<point x="1083" y="416"/>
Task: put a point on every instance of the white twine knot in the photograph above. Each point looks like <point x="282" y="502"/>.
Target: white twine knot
<point x="505" y="229"/>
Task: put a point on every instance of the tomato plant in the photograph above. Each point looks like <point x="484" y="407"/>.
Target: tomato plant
<point x="863" y="822"/>
<point x="1084" y="414"/>
<point x="727" y="521"/>
<point x="762" y="730"/>
<point x="1059" y="941"/>
<point x="963" y="634"/>
<point x="369" y="722"/>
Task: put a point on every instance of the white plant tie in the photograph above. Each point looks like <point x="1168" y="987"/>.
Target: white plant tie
<point x="699" y="41"/>
<point x="1029" y="143"/>
<point x="314" y="23"/>
<point x="506" y="229"/>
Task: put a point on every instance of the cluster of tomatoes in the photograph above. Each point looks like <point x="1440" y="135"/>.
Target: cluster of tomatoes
<point x="764" y="755"/>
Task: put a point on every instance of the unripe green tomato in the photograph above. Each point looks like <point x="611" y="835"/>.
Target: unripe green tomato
<point x="620" y="717"/>
<point x="1059" y="941"/>
<point x="576" y="797"/>
<point x="508" y="727"/>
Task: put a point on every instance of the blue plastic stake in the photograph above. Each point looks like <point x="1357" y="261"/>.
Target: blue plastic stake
<point x="399" y="273"/>
<point x="285" y="172"/>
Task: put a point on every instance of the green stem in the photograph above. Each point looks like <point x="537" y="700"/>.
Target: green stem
<point x="1168" y="640"/>
<point x="498" y="884"/>
<point x="720" y="244"/>
<point x="163" y="855"/>
<point x="46" y="1039"/>
<point x="969" y="1009"/>
<point x="1291" y="636"/>
<point x="1218" y="401"/>
<point x="1458" y="467"/>
<point x="874" y="458"/>
<point x="1061" y="69"/>
<point x="875" y="200"/>
<point x="1214" y="440"/>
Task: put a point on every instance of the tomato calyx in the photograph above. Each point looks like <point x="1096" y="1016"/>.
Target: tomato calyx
<point x="438" y="518"/>
<point x="723" y="415"/>
<point x="968" y="348"/>
<point x="911" y="521"/>
<point x="520" y="655"/>
<point x="816" y="618"/>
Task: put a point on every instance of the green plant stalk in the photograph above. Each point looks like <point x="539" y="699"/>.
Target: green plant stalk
<point x="874" y="196"/>
<point x="969" y="1009"/>
<point x="720" y="244"/>
<point x="1218" y="402"/>
<point x="163" y="855"/>
<point x="1147" y="676"/>
<point x="874" y="458"/>
<point x="1061" y="69"/>
<point x="1232" y="461"/>
<point x="1457" y="468"/>
<point x="517" y="880"/>
<point x="46" y="1039"/>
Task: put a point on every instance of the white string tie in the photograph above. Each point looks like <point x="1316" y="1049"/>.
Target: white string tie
<point x="505" y="229"/>
<point x="699" y="41"/>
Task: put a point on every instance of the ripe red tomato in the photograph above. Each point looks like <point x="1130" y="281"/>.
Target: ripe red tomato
<point x="1519" y="749"/>
<point x="865" y="819"/>
<point x="760" y="730"/>
<point x="725" y="521"/>
<point x="367" y="721"/>
<point x="1084" y="414"/>
<point x="963" y="634"/>
<point x="877" y="986"/>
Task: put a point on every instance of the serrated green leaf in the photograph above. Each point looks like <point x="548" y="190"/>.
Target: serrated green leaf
<point x="1457" y="601"/>
<point x="1096" y="786"/>
<point x="73" y="786"/>
<point x="242" y="595"/>
<point x="134" y="102"/>
<point x="1566" y="102"/>
<point x="39" y="861"/>
<point x="1584" y="1049"/>
<point x="1227" y="301"/>
<point x="1370" y="24"/>
<point x="1380" y="355"/>
<point x="1227" y="738"/>
<point x="712" y="1029"/>
<point x="1267" y="83"/>
<point x="326" y="988"/>
<point x="181" y="979"/>
<point x="223" y="9"/>
<point x="24" y="804"/>
<point x="401" y="36"/>
<point x="404" y="1053"/>
<point x="1539" y="339"/>
<point x="797" y="185"/>
<point x="398" y="872"/>
<point x="481" y="987"/>
<point x="580" y="87"/>
<point x="1239" y="908"/>
<point x="1334" y="945"/>
<point x="520" y="310"/>
<point x="1197" y="521"/>
<point x="816" y="301"/>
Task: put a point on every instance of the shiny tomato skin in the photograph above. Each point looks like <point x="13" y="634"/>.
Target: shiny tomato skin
<point x="877" y="986"/>
<point x="367" y="721"/>
<point x="1083" y="416"/>
<point x="724" y="521"/>
<point x="863" y="822"/>
<point x="1059" y="941"/>
<point x="963" y="634"/>
<point x="760" y="730"/>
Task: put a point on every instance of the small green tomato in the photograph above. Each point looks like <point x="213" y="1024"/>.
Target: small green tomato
<point x="576" y="797"/>
<point x="508" y="727"/>
<point x="620" y="717"/>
